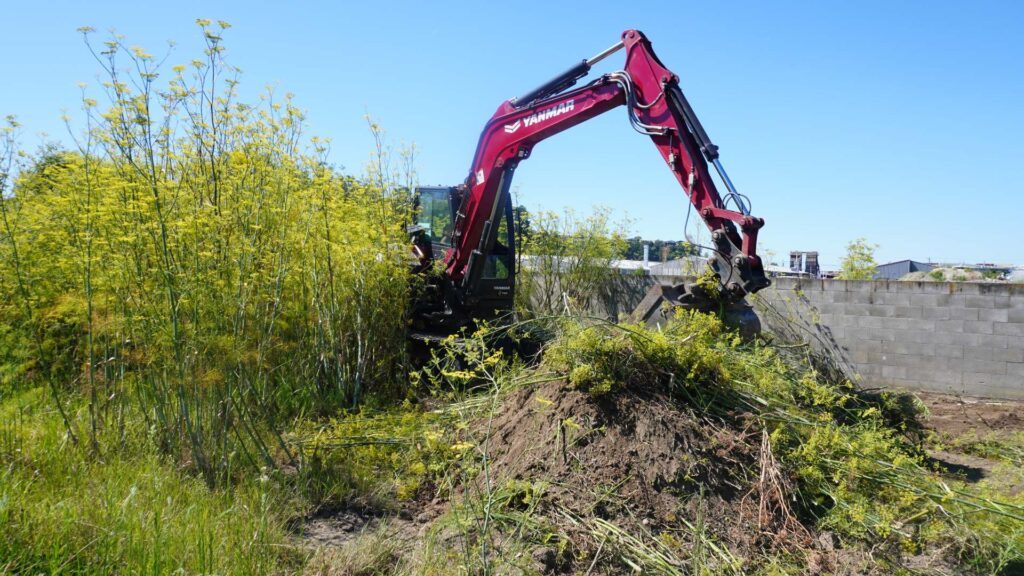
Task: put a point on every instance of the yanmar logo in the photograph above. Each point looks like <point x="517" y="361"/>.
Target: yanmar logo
<point x="540" y="116"/>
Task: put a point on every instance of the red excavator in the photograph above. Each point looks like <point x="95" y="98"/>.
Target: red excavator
<point x="462" y="227"/>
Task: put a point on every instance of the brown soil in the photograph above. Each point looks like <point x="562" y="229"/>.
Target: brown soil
<point x="341" y="526"/>
<point x="643" y="463"/>
<point x="961" y="415"/>
<point x="958" y="419"/>
<point x="338" y="527"/>
<point x="598" y="455"/>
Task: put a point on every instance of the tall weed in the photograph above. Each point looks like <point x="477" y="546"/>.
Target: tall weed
<point x="195" y="262"/>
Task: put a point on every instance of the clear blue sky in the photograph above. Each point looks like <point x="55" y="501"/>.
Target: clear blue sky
<point x="902" y="122"/>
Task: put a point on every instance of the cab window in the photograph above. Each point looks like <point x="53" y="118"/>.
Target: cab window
<point x="499" y="261"/>
<point x="435" y="215"/>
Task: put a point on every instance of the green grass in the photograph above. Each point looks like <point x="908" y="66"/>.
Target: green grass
<point x="66" y="511"/>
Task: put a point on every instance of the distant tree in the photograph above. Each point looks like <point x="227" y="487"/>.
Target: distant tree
<point x="676" y="248"/>
<point x="522" y="223"/>
<point x="634" y="248"/>
<point x="859" y="263"/>
<point x="570" y="259"/>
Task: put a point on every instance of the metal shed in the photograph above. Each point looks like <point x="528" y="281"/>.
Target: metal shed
<point x="896" y="270"/>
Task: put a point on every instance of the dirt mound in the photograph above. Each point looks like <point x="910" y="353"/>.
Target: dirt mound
<point x="650" y="465"/>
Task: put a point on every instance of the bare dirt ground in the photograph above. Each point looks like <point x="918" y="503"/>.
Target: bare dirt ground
<point x="964" y="425"/>
<point x="341" y="526"/>
<point x="959" y="415"/>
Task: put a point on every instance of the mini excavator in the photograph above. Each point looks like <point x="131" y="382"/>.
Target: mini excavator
<point x="468" y="255"/>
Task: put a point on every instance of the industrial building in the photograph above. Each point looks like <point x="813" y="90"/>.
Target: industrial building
<point x="896" y="270"/>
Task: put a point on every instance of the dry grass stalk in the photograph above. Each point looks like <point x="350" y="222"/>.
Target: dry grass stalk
<point x="774" y="516"/>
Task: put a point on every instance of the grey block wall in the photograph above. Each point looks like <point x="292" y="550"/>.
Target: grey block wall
<point x="959" y="338"/>
<point x="962" y="338"/>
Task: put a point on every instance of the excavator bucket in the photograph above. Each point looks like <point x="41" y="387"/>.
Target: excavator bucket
<point x="662" y="300"/>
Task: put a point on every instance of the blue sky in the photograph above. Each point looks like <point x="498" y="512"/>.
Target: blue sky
<point x="901" y="122"/>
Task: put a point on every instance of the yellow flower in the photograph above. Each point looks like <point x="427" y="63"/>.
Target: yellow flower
<point x="458" y="375"/>
<point x="140" y="53"/>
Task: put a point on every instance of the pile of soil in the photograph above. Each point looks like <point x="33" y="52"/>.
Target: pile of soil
<point x="645" y="463"/>
<point x="656" y="468"/>
<point x="627" y="447"/>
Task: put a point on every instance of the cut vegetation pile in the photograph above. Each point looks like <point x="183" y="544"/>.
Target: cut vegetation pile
<point x="687" y="451"/>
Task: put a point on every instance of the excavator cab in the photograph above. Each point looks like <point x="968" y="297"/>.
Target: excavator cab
<point x="487" y="295"/>
<point x="434" y="217"/>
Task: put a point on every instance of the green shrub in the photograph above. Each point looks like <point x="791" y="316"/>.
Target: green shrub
<point x="196" y="262"/>
<point x="602" y="358"/>
<point x="567" y="260"/>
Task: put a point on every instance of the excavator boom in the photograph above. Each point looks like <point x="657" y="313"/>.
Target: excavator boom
<point x="657" y="108"/>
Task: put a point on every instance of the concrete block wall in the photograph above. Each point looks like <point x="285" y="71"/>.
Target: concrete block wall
<point x="959" y="338"/>
<point x="962" y="338"/>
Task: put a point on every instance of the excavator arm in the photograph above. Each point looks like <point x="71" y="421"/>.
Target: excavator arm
<point x="656" y="107"/>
